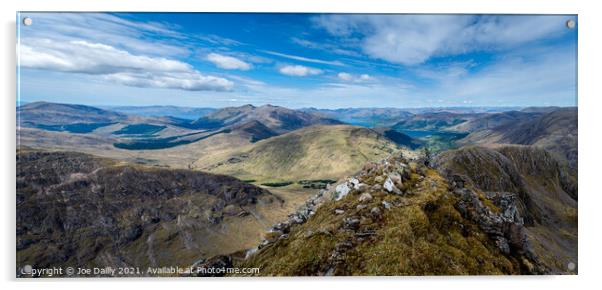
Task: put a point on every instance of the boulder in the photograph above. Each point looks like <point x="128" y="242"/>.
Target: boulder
<point x="390" y="186"/>
<point x="355" y="183"/>
<point x="365" y="197"/>
<point x="396" y="178"/>
<point x="341" y="191"/>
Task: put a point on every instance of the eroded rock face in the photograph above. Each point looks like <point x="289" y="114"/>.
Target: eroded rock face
<point x="533" y="191"/>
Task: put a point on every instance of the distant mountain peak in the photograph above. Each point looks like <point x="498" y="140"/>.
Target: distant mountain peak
<point x="276" y="118"/>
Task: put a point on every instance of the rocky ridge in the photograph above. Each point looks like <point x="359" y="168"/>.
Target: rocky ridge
<point x="342" y="228"/>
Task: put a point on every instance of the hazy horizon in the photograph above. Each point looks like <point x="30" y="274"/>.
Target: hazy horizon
<point x="318" y="108"/>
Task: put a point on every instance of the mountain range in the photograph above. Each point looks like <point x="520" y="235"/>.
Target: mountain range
<point x="439" y="191"/>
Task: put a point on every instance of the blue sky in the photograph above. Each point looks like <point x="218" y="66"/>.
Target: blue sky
<point x="298" y="60"/>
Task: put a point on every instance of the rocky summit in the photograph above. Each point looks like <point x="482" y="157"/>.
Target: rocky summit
<point x="400" y="217"/>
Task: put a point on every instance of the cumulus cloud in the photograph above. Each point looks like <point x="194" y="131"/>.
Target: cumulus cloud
<point x="413" y="39"/>
<point x="80" y="56"/>
<point x="227" y="62"/>
<point x="347" y="77"/>
<point x="299" y="70"/>
<point x="91" y="58"/>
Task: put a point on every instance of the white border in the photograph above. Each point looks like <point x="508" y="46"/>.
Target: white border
<point x="589" y="117"/>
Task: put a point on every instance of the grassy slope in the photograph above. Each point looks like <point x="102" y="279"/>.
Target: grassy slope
<point x="315" y="152"/>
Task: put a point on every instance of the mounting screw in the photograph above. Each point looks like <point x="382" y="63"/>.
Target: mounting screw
<point x="27" y="21"/>
<point x="570" y="24"/>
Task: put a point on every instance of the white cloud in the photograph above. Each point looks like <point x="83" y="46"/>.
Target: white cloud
<point x="365" y="77"/>
<point x="299" y="70"/>
<point x="149" y="38"/>
<point x="91" y="58"/>
<point x="305" y="59"/>
<point x="79" y="56"/>
<point x="347" y="77"/>
<point x="227" y="62"/>
<point x="413" y="39"/>
<point x="533" y="79"/>
<point x="189" y="81"/>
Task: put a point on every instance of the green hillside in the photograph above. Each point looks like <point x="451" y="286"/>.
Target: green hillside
<point x="317" y="152"/>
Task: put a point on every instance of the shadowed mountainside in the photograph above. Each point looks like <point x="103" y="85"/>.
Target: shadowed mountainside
<point x="399" y="138"/>
<point x="187" y="113"/>
<point x="434" y="121"/>
<point x="495" y="120"/>
<point x="546" y="194"/>
<point x="278" y="119"/>
<point x="76" y="209"/>
<point x="555" y="131"/>
<point x="58" y="114"/>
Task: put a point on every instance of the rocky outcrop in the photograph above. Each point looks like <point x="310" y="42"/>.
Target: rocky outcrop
<point x="505" y="227"/>
<point x="418" y="216"/>
<point x="526" y="182"/>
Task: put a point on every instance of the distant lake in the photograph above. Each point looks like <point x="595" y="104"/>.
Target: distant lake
<point x="419" y="133"/>
<point x="429" y="133"/>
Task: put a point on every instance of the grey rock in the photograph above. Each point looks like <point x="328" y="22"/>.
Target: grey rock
<point x="362" y="187"/>
<point x="396" y="178"/>
<point x="390" y="187"/>
<point x="376" y="213"/>
<point x="386" y="204"/>
<point x="341" y="191"/>
<point x="361" y="206"/>
<point x="354" y="182"/>
<point x="351" y="223"/>
<point x="502" y="244"/>
<point x="365" y="197"/>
